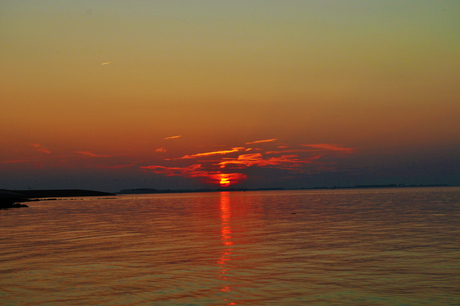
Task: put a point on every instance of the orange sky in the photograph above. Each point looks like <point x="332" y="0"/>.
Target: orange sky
<point x="122" y="95"/>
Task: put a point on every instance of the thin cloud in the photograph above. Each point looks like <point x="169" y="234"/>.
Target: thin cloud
<point x="106" y="63"/>
<point x="91" y="154"/>
<point x="160" y="150"/>
<point x="39" y="148"/>
<point x="330" y="147"/>
<point x="195" y="170"/>
<point x="222" y="152"/>
<point x="286" y="151"/>
<point x="173" y="137"/>
<point x="261" y="141"/>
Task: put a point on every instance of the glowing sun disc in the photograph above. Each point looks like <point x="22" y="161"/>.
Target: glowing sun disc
<point x="224" y="182"/>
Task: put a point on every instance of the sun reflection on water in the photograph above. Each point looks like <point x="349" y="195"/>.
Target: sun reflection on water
<point x="226" y="236"/>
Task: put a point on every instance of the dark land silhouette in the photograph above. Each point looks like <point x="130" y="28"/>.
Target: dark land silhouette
<point x="14" y="198"/>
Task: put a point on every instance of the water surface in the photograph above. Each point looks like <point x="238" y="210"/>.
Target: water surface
<point x="325" y="247"/>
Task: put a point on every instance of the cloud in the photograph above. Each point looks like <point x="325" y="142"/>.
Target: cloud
<point x="257" y="159"/>
<point x="195" y="170"/>
<point x="330" y="147"/>
<point x="286" y="151"/>
<point x="222" y="152"/>
<point x="91" y="154"/>
<point x="261" y="141"/>
<point x="198" y="171"/>
<point x="226" y="170"/>
<point x="161" y="150"/>
<point x="106" y="63"/>
<point x="39" y="148"/>
<point x="173" y="137"/>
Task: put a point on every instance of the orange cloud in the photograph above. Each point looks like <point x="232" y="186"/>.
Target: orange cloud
<point x="173" y="137"/>
<point x="261" y="141"/>
<point x="212" y="153"/>
<point x="39" y="148"/>
<point x="161" y="150"/>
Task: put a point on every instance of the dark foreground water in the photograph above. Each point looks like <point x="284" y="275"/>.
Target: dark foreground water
<point x="326" y="247"/>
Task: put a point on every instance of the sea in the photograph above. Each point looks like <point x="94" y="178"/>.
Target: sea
<point x="397" y="246"/>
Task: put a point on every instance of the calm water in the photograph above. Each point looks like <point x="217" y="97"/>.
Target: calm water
<point x="326" y="247"/>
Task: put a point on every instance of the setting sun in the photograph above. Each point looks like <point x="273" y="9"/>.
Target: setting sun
<point x="224" y="182"/>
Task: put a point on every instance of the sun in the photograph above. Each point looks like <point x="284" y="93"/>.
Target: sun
<point x="224" y="182"/>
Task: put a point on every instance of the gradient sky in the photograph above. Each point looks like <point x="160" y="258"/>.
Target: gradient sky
<point x="109" y="95"/>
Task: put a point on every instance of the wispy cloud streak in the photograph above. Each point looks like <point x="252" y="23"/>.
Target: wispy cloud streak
<point x="222" y="152"/>
<point x="173" y="137"/>
<point x="330" y="147"/>
<point x="262" y="141"/>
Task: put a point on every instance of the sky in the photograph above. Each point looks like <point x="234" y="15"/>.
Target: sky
<point x="110" y="95"/>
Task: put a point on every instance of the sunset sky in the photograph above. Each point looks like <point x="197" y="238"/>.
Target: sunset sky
<point x="109" y="95"/>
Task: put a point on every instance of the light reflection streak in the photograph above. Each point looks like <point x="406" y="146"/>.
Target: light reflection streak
<point x="226" y="239"/>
